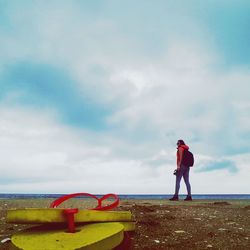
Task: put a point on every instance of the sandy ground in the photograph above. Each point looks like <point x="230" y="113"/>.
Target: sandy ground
<point x="162" y="224"/>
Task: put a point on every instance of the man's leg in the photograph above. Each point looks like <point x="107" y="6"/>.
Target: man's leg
<point x="186" y="179"/>
<point x="178" y="181"/>
<point x="177" y="184"/>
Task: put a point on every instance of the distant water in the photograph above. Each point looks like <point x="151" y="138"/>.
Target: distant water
<point x="136" y="196"/>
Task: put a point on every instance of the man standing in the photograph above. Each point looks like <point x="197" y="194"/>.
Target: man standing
<point x="182" y="170"/>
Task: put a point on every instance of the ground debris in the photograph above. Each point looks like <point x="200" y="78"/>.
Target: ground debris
<point x="5" y="240"/>
<point x="197" y="219"/>
<point x="156" y="241"/>
<point x="222" y="203"/>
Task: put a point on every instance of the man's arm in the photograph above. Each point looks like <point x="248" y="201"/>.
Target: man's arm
<point x="181" y="150"/>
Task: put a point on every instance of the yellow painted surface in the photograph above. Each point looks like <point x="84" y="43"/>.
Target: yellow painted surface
<point x="37" y="216"/>
<point x="128" y="225"/>
<point x="96" y="236"/>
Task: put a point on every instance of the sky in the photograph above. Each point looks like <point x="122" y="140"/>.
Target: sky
<point x="95" y="94"/>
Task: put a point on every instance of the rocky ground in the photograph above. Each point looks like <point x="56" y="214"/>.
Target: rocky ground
<point x="203" y="225"/>
<point x="164" y="224"/>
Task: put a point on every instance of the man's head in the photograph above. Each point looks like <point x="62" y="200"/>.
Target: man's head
<point x="180" y="142"/>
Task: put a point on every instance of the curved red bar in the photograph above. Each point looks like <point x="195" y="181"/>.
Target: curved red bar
<point x="60" y="200"/>
<point x="110" y="206"/>
<point x="69" y="212"/>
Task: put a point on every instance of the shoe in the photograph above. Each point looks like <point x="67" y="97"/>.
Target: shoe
<point x="188" y="198"/>
<point x="174" y="198"/>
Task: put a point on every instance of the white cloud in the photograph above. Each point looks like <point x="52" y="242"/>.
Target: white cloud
<point x="42" y="156"/>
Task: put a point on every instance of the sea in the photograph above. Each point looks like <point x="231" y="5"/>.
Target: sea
<point x="133" y="196"/>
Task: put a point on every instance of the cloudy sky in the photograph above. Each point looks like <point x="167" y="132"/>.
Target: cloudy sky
<point x="95" y="94"/>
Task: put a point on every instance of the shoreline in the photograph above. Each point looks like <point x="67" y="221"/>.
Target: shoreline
<point x="162" y="224"/>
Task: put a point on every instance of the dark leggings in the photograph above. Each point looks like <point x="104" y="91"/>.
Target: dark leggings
<point x="183" y="171"/>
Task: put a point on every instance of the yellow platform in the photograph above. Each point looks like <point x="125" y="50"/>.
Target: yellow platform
<point x="95" y="236"/>
<point x="56" y="215"/>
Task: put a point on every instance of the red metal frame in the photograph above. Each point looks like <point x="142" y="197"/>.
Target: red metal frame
<point x="69" y="212"/>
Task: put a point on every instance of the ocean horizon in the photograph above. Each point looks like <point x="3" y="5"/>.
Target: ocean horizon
<point x="132" y="196"/>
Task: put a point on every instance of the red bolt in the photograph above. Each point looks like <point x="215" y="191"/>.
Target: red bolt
<point x="69" y="212"/>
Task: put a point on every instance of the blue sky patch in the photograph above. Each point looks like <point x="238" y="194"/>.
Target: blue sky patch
<point x="44" y="86"/>
<point x="219" y="165"/>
